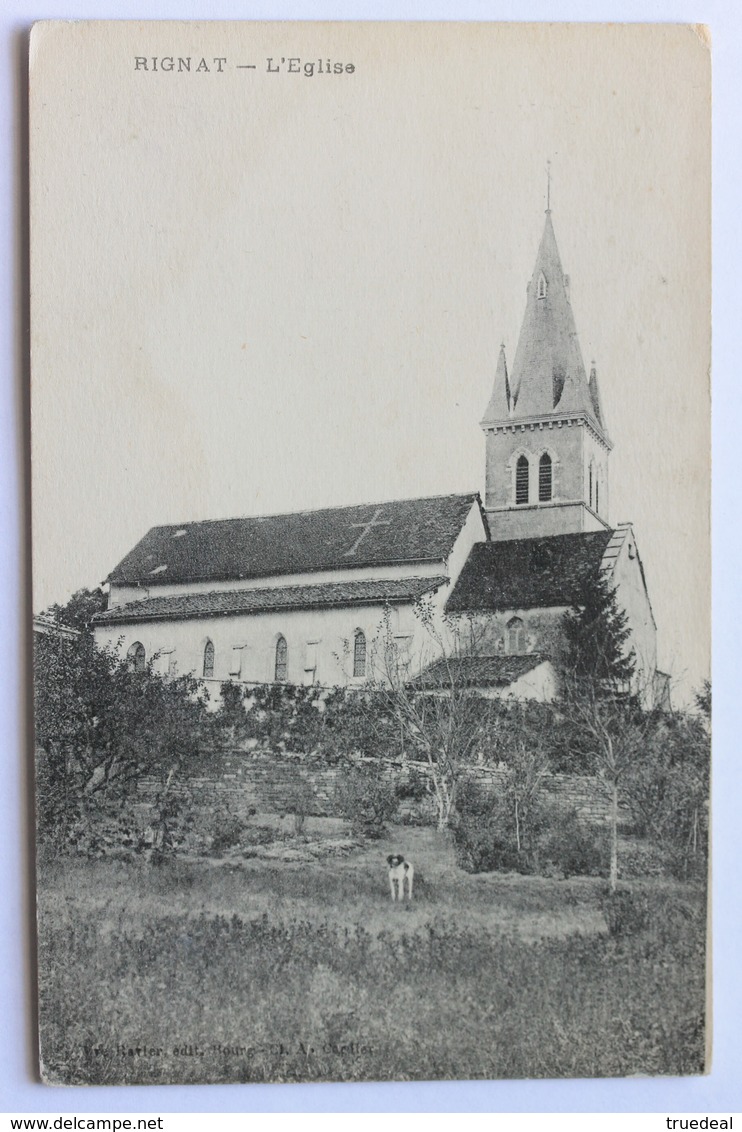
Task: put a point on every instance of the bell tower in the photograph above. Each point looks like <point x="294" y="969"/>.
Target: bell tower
<point x="547" y="445"/>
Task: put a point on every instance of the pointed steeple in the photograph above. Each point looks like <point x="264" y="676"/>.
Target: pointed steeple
<point x="548" y="372"/>
<point x="547" y="448"/>
<point x="499" y="404"/>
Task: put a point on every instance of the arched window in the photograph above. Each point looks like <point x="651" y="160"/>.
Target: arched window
<point x="516" y="635"/>
<point x="137" y="657"/>
<point x="208" y="660"/>
<point x="359" y="653"/>
<point x="590" y="478"/>
<point x="544" y="478"/>
<point x="282" y="661"/>
<point x="541" y="288"/>
<point x="597" y="494"/>
<point x="521" y="480"/>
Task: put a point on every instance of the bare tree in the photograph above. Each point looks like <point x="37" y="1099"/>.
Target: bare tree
<point x="440" y="710"/>
<point x="616" y="729"/>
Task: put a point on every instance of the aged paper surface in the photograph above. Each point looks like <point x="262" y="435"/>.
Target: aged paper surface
<point x="272" y="267"/>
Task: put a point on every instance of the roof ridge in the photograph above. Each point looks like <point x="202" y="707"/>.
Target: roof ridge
<point x="319" y="510"/>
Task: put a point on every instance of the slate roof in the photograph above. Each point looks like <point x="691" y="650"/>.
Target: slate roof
<point x="230" y="602"/>
<point x="478" y="671"/>
<point x="369" y="534"/>
<point x="548" y="375"/>
<point x="529" y="573"/>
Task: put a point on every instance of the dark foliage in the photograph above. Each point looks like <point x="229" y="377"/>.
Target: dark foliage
<point x="626" y="911"/>
<point x="596" y="633"/>
<point x="667" y="789"/>
<point x="572" y="846"/>
<point x="79" y="611"/>
<point x="329" y="725"/>
<point x="366" y="800"/>
<point x="100" y="727"/>
<point x="546" y="838"/>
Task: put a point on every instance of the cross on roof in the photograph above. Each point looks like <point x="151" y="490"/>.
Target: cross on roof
<point x="374" y="521"/>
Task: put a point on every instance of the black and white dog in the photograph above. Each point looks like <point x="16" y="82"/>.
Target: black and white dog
<point x="399" y="872"/>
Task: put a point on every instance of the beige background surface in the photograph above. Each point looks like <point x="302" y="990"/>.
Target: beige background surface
<point x="256" y="292"/>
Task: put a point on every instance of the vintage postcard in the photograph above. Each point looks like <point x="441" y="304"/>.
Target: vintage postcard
<point x="370" y="446"/>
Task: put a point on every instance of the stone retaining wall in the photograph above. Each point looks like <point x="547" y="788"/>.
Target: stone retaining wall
<point x="243" y="783"/>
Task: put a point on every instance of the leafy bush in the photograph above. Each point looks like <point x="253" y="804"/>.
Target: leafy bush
<point x="366" y="800"/>
<point x="547" y="839"/>
<point x="227" y="830"/>
<point x="412" y="787"/>
<point x="101" y="726"/>
<point x="626" y="911"/>
<point x="572" y="846"/>
<point x="482" y="847"/>
<point x="322" y="724"/>
<point x="482" y="835"/>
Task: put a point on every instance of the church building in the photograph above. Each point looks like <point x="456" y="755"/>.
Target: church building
<point x="301" y="598"/>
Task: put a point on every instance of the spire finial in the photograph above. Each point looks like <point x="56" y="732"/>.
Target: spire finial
<point x="548" y="185"/>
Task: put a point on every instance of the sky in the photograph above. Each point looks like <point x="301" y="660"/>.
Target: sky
<point x="257" y="291"/>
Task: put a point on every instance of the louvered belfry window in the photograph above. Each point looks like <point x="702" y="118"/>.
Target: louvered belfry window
<point x="544" y="478"/>
<point x="282" y="661"/>
<point x="359" y="654"/>
<point x="521" y="480"/>
<point x="208" y="659"/>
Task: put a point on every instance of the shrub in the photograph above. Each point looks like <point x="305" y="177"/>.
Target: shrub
<point x="412" y="787"/>
<point x="572" y="846"/>
<point x="227" y="830"/>
<point x="549" y="839"/>
<point x="625" y="911"/>
<point x="366" y="800"/>
<point x="482" y="847"/>
<point x="300" y="801"/>
<point x="482" y="833"/>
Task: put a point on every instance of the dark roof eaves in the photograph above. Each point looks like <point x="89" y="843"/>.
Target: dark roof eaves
<point x="553" y="418"/>
<point x="283" y="607"/>
<point x="428" y="679"/>
<point x="537" y="603"/>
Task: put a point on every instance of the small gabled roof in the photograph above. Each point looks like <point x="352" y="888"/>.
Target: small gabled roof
<point x="528" y="573"/>
<point x="226" y="603"/>
<point x="478" y="671"/>
<point x="368" y="534"/>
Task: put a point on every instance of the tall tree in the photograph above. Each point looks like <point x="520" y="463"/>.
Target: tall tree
<point x="100" y="726"/>
<point x="597" y="632"/>
<point x="78" y="612"/>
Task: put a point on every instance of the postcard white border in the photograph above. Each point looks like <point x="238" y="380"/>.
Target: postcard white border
<point x="722" y="1089"/>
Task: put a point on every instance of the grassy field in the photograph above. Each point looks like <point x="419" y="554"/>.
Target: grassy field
<point x="280" y="970"/>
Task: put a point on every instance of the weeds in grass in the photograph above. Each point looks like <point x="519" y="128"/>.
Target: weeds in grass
<point x="284" y="999"/>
